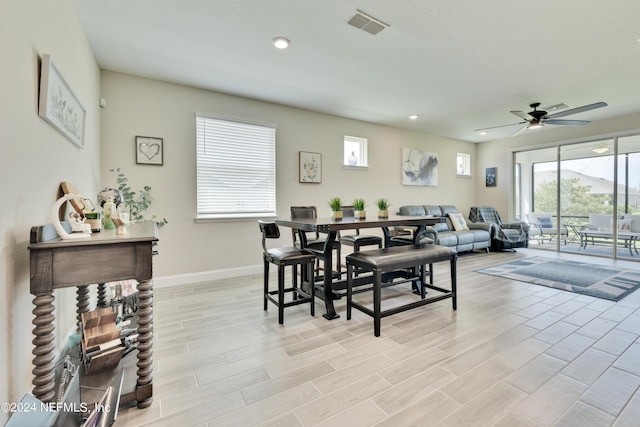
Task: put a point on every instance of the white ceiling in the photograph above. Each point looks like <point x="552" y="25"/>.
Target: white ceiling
<point x="460" y="65"/>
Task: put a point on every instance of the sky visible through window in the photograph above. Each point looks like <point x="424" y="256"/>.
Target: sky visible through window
<point x="601" y="167"/>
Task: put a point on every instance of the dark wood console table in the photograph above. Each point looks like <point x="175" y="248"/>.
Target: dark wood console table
<point x="105" y="257"/>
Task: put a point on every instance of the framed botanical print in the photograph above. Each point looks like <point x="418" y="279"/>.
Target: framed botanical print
<point x="310" y="167"/>
<point x="149" y="150"/>
<point x="58" y="105"/>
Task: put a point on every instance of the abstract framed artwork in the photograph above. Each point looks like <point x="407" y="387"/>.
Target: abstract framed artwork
<point x="149" y="150"/>
<point x="58" y="105"/>
<point x="310" y="166"/>
<point x="419" y="167"/>
<point x="491" y="177"/>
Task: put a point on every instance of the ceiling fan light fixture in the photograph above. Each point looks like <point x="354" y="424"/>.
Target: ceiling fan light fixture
<point x="281" y="42"/>
<point x="534" y="125"/>
<point x="600" y="150"/>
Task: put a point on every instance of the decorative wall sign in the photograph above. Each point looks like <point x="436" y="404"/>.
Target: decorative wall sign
<point x="491" y="177"/>
<point x="58" y="105"/>
<point x="419" y="167"/>
<point x="310" y="167"/>
<point x="148" y="150"/>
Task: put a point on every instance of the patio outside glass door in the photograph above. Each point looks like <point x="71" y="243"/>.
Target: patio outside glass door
<point x="587" y="197"/>
<point x="582" y="198"/>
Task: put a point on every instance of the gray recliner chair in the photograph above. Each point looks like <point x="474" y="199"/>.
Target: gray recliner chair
<point x="504" y="235"/>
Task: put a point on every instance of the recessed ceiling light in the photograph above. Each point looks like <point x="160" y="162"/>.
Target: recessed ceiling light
<point x="413" y="116"/>
<point x="483" y="132"/>
<point x="281" y="42"/>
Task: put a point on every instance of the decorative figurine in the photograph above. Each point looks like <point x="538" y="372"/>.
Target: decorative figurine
<point x="55" y="216"/>
<point x="120" y="223"/>
<point x="77" y="223"/>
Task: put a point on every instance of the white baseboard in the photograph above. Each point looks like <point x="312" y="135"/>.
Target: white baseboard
<point x="206" y="276"/>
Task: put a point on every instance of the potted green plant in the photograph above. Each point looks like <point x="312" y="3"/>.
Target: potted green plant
<point x="336" y="208"/>
<point x="136" y="203"/>
<point x="383" y="208"/>
<point x="358" y="207"/>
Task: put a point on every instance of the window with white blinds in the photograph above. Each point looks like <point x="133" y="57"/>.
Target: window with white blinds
<point x="236" y="169"/>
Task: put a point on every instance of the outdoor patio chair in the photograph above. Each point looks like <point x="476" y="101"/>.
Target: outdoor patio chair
<point x="542" y="227"/>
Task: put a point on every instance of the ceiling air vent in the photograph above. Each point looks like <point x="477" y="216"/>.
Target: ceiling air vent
<point x="367" y="23"/>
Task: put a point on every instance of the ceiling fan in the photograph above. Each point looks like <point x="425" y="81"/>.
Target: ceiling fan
<point x="538" y="118"/>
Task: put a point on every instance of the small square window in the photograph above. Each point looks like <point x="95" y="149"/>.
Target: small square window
<point x="463" y="164"/>
<point x="355" y="152"/>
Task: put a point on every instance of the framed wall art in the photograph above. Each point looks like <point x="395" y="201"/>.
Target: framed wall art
<point x="310" y="165"/>
<point x="58" y="105"/>
<point x="419" y="168"/>
<point x="149" y="150"/>
<point x="491" y="177"/>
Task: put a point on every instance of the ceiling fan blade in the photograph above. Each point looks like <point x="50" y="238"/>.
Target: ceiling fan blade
<point x="501" y="126"/>
<point x="566" y="122"/>
<point x="521" y="114"/>
<point x="519" y="131"/>
<point x="577" y="110"/>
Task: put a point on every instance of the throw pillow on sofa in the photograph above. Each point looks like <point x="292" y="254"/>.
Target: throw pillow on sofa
<point x="458" y="221"/>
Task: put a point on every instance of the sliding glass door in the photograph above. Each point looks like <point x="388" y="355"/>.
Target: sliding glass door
<point x="587" y="197"/>
<point x="582" y="197"/>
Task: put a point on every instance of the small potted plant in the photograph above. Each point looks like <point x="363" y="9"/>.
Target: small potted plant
<point x="336" y="208"/>
<point x="358" y="207"/>
<point x="383" y="208"/>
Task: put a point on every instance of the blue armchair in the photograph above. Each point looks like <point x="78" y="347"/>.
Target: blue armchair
<point x="504" y="235"/>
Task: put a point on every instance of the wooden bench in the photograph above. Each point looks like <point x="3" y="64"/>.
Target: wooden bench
<point x="383" y="261"/>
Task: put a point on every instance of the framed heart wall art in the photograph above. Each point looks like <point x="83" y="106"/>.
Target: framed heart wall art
<point x="148" y="150"/>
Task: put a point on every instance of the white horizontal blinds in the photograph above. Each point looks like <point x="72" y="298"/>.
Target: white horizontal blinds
<point x="236" y="168"/>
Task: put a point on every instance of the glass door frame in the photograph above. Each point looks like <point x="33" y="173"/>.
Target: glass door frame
<point x="519" y="194"/>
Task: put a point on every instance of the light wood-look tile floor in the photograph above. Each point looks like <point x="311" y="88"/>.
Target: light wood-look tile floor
<point x="513" y="354"/>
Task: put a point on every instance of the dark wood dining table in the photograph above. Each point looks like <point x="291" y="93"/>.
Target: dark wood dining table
<point x="331" y="283"/>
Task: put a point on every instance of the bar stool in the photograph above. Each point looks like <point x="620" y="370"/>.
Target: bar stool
<point x="314" y="240"/>
<point x="282" y="257"/>
<point x="356" y="241"/>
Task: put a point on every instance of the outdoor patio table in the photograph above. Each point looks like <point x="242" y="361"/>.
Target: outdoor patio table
<point x="331" y="284"/>
<point x="629" y="238"/>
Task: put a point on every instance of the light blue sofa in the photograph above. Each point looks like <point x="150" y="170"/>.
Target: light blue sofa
<point x="478" y="236"/>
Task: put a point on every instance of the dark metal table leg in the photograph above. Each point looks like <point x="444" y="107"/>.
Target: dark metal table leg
<point x="328" y="277"/>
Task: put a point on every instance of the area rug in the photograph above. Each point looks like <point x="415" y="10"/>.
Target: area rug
<point x="611" y="283"/>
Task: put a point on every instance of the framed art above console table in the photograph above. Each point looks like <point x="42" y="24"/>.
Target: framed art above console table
<point x="58" y="105"/>
<point x="149" y="150"/>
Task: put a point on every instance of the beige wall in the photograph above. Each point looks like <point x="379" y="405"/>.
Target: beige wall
<point x="139" y="106"/>
<point x="34" y="160"/>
